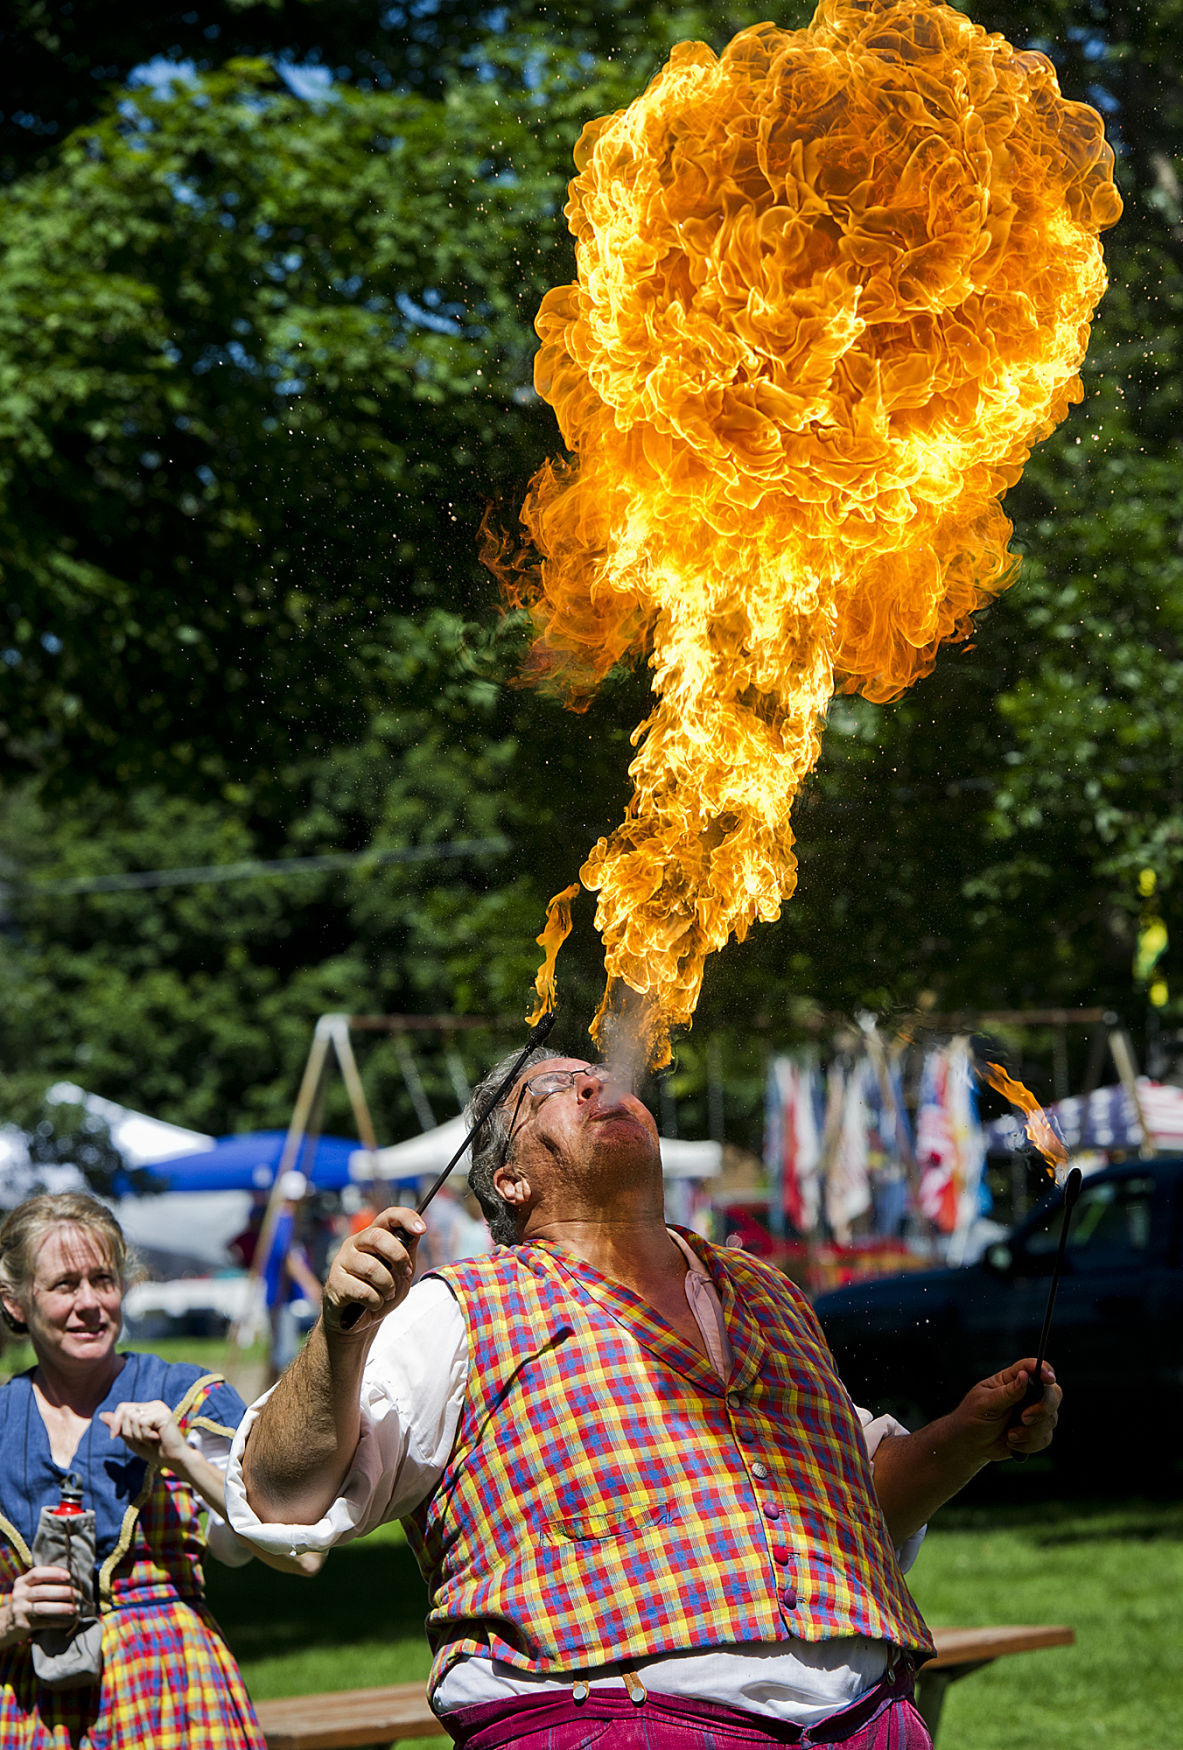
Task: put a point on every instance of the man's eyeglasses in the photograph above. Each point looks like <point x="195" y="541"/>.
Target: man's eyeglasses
<point x="541" y="1087"/>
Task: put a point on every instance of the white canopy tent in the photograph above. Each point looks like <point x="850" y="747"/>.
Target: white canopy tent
<point x="421" y="1157"/>
<point x="139" y="1139"/>
<point x="194" y="1228"/>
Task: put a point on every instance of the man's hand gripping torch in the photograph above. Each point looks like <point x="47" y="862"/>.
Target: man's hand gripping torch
<point x="538" y="1033"/>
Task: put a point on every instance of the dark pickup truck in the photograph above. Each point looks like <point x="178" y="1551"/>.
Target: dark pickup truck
<point x="915" y="1343"/>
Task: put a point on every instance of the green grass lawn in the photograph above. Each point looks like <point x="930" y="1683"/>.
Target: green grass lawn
<point x="1114" y="1572"/>
<point x="212" y="1353"/>
<point x="358" y="1623"/>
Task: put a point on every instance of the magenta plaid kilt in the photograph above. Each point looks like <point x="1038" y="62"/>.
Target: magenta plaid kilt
<point x="883" y="1719"/>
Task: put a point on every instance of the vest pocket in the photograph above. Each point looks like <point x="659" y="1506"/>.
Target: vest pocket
<point x="607" y="1527"/>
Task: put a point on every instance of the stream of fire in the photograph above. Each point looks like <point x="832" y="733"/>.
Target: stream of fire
<point x="833" y="284"/>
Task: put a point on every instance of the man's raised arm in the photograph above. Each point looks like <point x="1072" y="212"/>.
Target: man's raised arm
<point x="302" y="1444"/>
<point x="917" y="1473"/>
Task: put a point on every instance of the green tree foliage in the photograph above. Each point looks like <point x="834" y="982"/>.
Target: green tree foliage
<point x="58" y="62"/>
<point x="251" y="408"/>
<point x="198" y="1000"/>
<point x="264" y="362"/>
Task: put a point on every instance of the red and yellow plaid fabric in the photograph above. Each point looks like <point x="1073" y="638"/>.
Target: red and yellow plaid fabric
<point x="607" y="1498"/>
<point x="169" y="1683"/>
<point x="169" y="1680"/>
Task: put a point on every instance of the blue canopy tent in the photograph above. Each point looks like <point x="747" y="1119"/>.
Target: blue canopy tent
<point x="248" y="1163"/>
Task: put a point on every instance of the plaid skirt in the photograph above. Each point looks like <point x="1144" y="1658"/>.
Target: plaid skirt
<point x="169" y="1682"/>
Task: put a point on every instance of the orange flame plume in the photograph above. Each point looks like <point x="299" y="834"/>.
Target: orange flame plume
<point x="554" y="933"/>
<point x="1038" y="1124"/>
<point x="833" y="286"/>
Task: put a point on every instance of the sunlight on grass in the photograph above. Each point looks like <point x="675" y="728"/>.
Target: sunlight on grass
<point x="359" y="1623"/>
<point x="1114" y="1573"/>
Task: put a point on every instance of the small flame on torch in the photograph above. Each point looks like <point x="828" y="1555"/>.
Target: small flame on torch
<point x="554" y="933"/>
<point x="1037" y="1123"/>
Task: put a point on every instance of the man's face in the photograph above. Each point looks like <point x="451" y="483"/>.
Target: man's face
<point x="587" y="1134"/>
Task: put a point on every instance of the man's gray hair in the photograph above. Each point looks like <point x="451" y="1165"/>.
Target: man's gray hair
<point x="489" y="1147"/>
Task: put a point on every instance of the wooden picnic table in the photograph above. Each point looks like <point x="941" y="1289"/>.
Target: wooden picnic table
<point x="962" y="1650"/>
<point x="357" y="1719"/>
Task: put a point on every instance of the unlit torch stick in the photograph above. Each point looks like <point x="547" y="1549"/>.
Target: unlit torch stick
<point x="538" y="1033"/>
<point x="1034" y="1393"/>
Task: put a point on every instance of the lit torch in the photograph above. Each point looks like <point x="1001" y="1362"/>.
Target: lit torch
<point x="833" y="284"/>
<point x="1039" y="1132"/>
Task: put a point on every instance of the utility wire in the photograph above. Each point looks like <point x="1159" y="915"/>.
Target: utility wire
<point x="257" y="869"/>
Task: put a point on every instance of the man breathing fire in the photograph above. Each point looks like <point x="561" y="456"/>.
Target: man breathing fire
<point x="644" y="1504"/>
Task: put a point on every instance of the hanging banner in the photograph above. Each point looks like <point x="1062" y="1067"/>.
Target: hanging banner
<point x="792" y="1143"/>
<point x="950" y="1141"/>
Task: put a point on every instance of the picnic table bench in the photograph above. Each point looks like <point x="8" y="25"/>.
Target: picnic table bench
<point x="356" y="1719"/>
<point x="962" y="1650"/>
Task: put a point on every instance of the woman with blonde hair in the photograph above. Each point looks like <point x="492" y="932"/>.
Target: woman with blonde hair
<point x="108" y="1463"/>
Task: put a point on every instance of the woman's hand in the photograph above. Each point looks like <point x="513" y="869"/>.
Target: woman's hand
<point x="151" y="1430"/>
<point x="40" y="1598"/>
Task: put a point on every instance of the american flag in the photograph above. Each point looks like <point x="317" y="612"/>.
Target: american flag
<point x="1105" y="1119"/>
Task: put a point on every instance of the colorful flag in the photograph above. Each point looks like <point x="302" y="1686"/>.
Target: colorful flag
<point x="848" y="1185"/>
<point x="792" y="1142"/>
<point x="950" y="1142"/>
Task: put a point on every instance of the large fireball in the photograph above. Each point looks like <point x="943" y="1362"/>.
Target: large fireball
<point x="833" y="284"/>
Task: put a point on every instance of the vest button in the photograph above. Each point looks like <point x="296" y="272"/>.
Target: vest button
<point x="780" y="1553"/>
<point x="790" y="1596"/>
<point x="759" y="1470"/>
<point x="771" y="1510"/>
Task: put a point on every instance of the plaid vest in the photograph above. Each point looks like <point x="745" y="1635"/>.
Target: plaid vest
<point x="608" y="1498"/>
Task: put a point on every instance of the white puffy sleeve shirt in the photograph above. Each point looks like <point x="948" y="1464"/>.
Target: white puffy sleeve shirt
<point x="411" y="1398"/>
